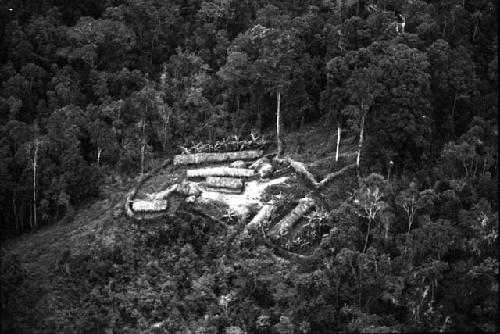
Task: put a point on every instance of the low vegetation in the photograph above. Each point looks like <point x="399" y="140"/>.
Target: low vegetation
<point x="388" y="136"/>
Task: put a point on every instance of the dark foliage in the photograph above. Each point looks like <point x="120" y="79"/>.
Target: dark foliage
<point x="87" y="87"/>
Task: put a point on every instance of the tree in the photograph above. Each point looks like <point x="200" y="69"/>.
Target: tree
<point x="469" y="156"/>
<point x="14" y="136"/>
<point x="36" y="145"/>
<point x="67" y="130"/>
<point x="165" y="115"/>
<point x="453" y="81"/>
<point x="275" y="51"/>
<point x="186" y="89"/>
<point x="364" y="90"/>
<point x="237" y="74"/>
<point x="356" y="33"/>
<point x="411" y="200"/>
<point x="157" y="29"/>
<point x="389" y="80"/>
<point x="334" y="98"/>
<point x="15" y="105"/>
<point x="20" y="50"/>
<point x="479" y="226"/>
<point x="101" y="135"/>
<point x="46" y="33"/>
<point x="98" y="42"/>
<point x="145" y="99"/>
<point x="65" y="84"/>
<point x="369" y="201"/>
<point x="275" y="65"/>
<point x="28" y="156"/>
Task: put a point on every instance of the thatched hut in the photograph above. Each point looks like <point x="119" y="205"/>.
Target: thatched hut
<point x="220" y="171"/>
<point x="224" y="182"/>
<point x="149" y="206"/>
<point x="203" y="158"/>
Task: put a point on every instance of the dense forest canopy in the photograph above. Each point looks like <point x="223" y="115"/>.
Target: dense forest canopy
<point x="86" y="86"/>
<point x="80" y="80"/>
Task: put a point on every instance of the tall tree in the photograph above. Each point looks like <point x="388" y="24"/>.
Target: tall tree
<point x="390" y="80"/>
<point x="98" y="42"/>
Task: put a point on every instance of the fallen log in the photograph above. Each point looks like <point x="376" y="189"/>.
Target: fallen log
<point x="258" y="163"/>
<point x="262" y="216"/>
<point x="220" y="171"/>
<point x="164" y="194"/>
<point x="224" y="182"/>
<point x="299" y="168"/>
<point x="287" y="223"/>
<point x="332" y="176"/>
<point x="201" y="158"/>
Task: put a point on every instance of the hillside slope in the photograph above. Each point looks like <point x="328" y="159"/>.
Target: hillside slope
<point x="60" y="265"/>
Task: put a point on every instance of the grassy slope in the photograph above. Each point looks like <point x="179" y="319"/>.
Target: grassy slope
<point x="39" y="251"/>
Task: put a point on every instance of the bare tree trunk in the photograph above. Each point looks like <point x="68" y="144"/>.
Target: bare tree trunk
<point x="475" y="32"/>
<point x="22" y="217"/>
<point x="386" y="231"/>
<point x="15" y="209"/>
<point x="259" y="117"/>
<point x="453" y="112"/>
<point x="166" y="121"/>
<point x="238" y="105"/>
<point x="367" y="234"/>
<point x="278" y="124"/>
<point x="362" y="129"/>
<point x="444" y="28"/>
<point x="301" y="169"/>
<point x="359" y="289"/>
<point x="99" y="151"/>
<point x="329" y="177"/>
<point x="31" y="218"/>
<point x="338" y="143"/>
<point x="164" y="137"/>
<point x="410" y="222"/>
<point x="35" y="161"/>
<point x="143" y="146"/>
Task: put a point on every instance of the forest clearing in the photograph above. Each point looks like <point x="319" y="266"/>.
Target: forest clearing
<point x="243" y="166"/>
